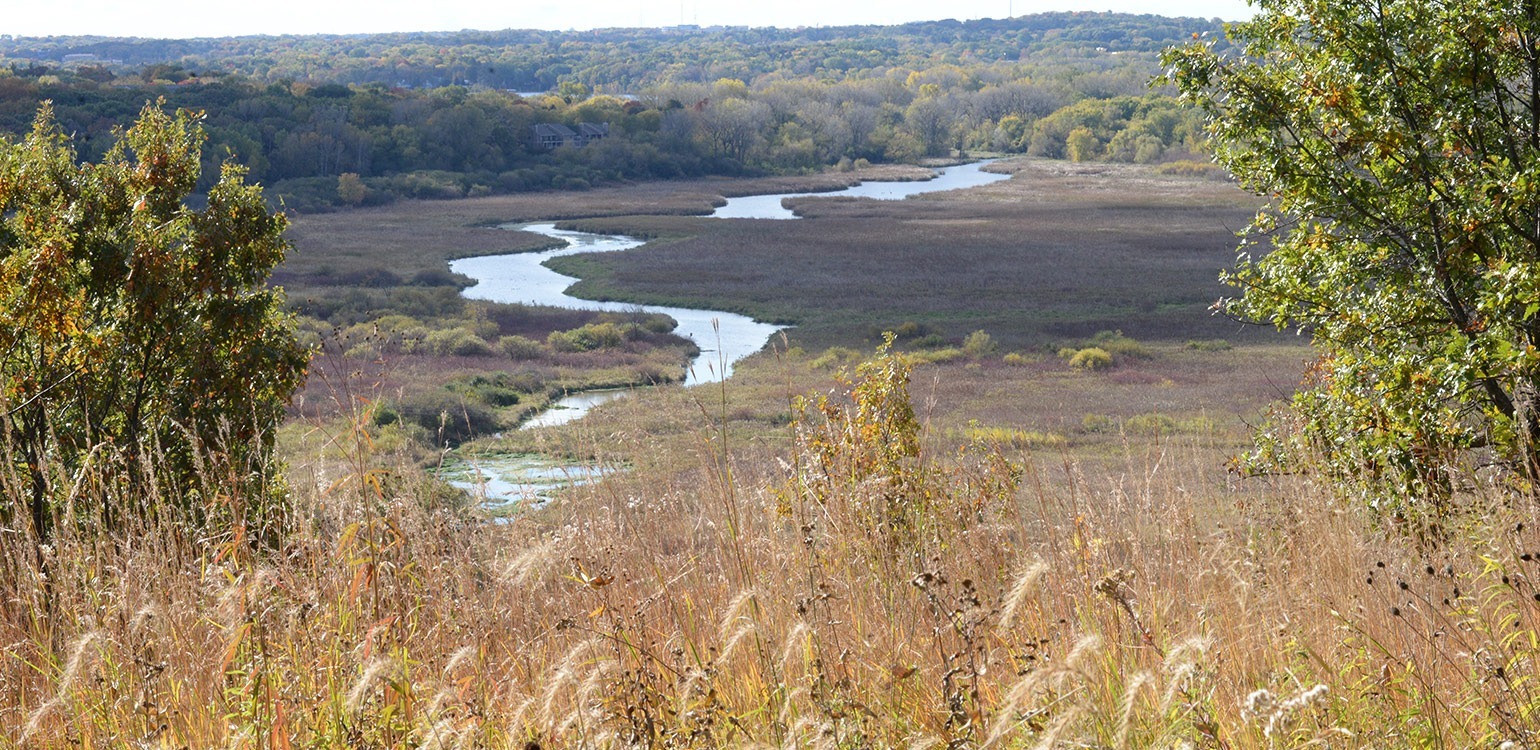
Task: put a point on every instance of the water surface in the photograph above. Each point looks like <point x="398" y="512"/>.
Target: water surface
<point x="950" y="178"/>
<point x="723" y="337"/>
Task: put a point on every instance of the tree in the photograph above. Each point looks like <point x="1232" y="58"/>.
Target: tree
<point x="1082" y="145"/>
<point x="351" y="189"/>
<point x="140" y="346"/>
<point x="1399" y="142"/>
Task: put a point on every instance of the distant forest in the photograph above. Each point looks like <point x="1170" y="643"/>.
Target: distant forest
<point x="329" y="120"/>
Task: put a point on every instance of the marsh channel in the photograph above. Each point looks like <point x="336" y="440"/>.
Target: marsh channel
<point x="723" y="337"/>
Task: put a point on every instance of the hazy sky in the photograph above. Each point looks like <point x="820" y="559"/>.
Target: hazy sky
<point x="189" y="18"/>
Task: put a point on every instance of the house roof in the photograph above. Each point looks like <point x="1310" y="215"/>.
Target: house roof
<point x="553" y="129"/>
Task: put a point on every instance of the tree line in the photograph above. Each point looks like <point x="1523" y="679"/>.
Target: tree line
<point x="628" y="59"/>
<point x="330" y="136"/>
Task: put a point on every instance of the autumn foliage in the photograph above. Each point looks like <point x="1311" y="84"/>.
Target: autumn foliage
<point x="137" y="334"/>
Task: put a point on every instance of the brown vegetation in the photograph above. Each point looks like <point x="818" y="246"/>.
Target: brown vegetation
<point x="1060" y="251"/>
<point x="864" y="590"/>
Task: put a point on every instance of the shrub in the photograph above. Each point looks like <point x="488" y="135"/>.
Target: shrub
<point x="458" y="342"/>
<point x="1091" y="358"/>
<point x="452" y="419"/>
<point x="1189" y="168"/>
<point x="1208" y="345"/>
<point x="520" y="347"/>
<point x="835" y="356"/>
<point x="1016" y="359"/>
<point x="1098" y="423"/>
<point x="928" y="341"/>
<point x="438" y="277"/>
<point x="498" y="390"/>
<point x="659" y="323"/>
<point x="587" y="338"/>
<point x="1151" y="424"/>
<point x="978" y="344"/>
<point x="935" y="356"/>
<point x="1118" y="345"/>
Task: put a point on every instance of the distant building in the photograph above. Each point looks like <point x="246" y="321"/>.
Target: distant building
<point x="588" y="132"/>
<point x="547" y="135"/>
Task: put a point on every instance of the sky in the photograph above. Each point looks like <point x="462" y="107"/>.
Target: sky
<point x="206" y="18"/>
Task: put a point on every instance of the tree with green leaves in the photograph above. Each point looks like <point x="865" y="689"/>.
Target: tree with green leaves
<point x="142" y="353"/>
<point x="1399" y="144"/>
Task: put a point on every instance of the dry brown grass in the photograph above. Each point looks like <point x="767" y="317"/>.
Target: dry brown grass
<point x="750" y="594"/>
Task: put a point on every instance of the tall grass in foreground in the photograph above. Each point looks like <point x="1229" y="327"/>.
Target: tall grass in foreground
<point x="858" y="591"/>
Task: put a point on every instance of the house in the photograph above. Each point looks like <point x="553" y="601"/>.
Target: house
<point x="547" y="136"/>
<point x="589" y="132"/>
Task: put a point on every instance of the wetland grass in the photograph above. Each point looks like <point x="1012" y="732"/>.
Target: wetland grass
<point x="859" y="582"/>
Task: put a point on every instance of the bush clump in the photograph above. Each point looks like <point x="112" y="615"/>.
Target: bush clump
<point x="978" y="344"/>
<point x="1151" y="424"/>
<point x="1091" y="358"/>
<point x="1209" y="345"/>
<point x="458" y="342"/>
<point x="1118" y="345"/>
<point x="451" y="418"/>
<point x="935" y="356"/>
<point x="520" y="347"/>
<point x="587" y="338"/>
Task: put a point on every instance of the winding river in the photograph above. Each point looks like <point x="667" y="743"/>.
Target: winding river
<point x="950" y="178"/>
<point x="723" y="337"/>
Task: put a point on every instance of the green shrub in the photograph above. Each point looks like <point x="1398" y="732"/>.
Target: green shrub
<point x="458" y="342"/>
<point x="384" y="415"/>
<point x="1208" y="345"/>
<point x="587" y="338"/>
<point x="1091" y="358"/>
<point x="1118" y="345"/>
<point x="1151" y="424"/>
<point x="520" y="347"/>
<point x="1189" y="168"/>
<point x="935" y="356"/>
<point x="1098" y="423"/>
<point x="1016" y="359"/>
<point x="835" y="356"/>
<point x="978" y="344"/>
<point x="450" y="418"/>
<point x="659" y="323"/>
<point x="497" y="390"/>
